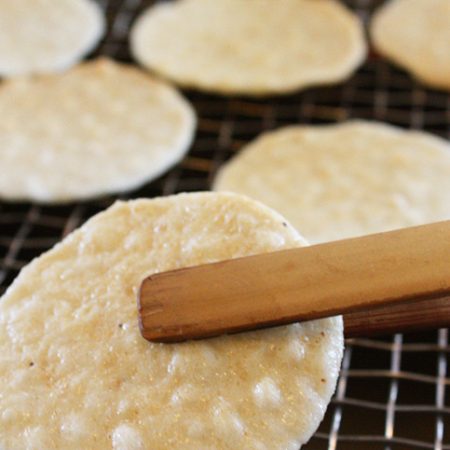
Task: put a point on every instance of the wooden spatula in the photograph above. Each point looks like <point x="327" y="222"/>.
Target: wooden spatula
<point x="344" y="277"/>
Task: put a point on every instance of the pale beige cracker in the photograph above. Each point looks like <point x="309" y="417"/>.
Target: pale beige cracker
<point x="42" y="36"/>
<point x="415" y="34"/>
<point x="339" y="181"/>
<point x="99" y="128"/>
<point x="76" y="373"/>
<point x="250" y="47"/>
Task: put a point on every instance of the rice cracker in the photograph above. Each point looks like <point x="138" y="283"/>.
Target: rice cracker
<point x="346" y="180"/>
<point x="43" y="36"/>
<point x="250" y="47"/>
<point x="100" y="128"/>
<point x="76" y="373"/>
<point x="415" y="34"/>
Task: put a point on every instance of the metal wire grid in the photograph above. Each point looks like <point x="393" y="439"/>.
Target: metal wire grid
<point x="393" y="392"/>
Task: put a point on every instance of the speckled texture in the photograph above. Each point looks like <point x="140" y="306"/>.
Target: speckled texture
<point x="42" y="36"/>
<point x="250" y="47"/>
<point x="76" y="373"/>
<point x="101" y="127"/>
<point x="415" y="34"/>
<point x="346" y="180"/>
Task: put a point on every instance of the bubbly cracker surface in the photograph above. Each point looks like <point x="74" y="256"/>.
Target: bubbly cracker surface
<point x="40" y="36"/>
<point x="102" y="127"/>
<point x="338" y="181"/>
<point x="250" y="47"/>
<point x="416" y="35"/>
<point x="76" y="373"/>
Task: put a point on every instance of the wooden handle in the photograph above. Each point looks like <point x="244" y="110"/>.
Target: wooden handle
<point x="298" y="284"/>
<point x="402" y="318"/>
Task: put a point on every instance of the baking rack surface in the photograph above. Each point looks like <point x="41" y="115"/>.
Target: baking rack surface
<point x="393" y="393"/>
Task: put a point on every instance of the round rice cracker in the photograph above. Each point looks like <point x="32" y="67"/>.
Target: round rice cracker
<point x="42" y="36"/>
<point x="340" y="181"/>
<point x="76" y="373"/>
<point x="415" y="34"/>
<point x="250" y="47"/>
<point x="99" y="128"/>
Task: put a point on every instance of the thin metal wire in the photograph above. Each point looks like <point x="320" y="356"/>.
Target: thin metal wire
<point x="414" y="347"/>
<point x="396" y="357"/>
<point x="440" y="389"/>
<point x="10" y="261"/>
<point x="394" y="375"/>
<point x="392" y="391"/>
<point x="340" y="397"/>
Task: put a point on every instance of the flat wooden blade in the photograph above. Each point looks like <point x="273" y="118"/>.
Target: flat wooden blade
<point x="296" y="285"/>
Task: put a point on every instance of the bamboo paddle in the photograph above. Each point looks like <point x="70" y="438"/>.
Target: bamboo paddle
<point x="404" y="273"/>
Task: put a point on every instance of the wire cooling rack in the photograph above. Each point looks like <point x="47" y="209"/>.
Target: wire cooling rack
<point x="393" y="393"/>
